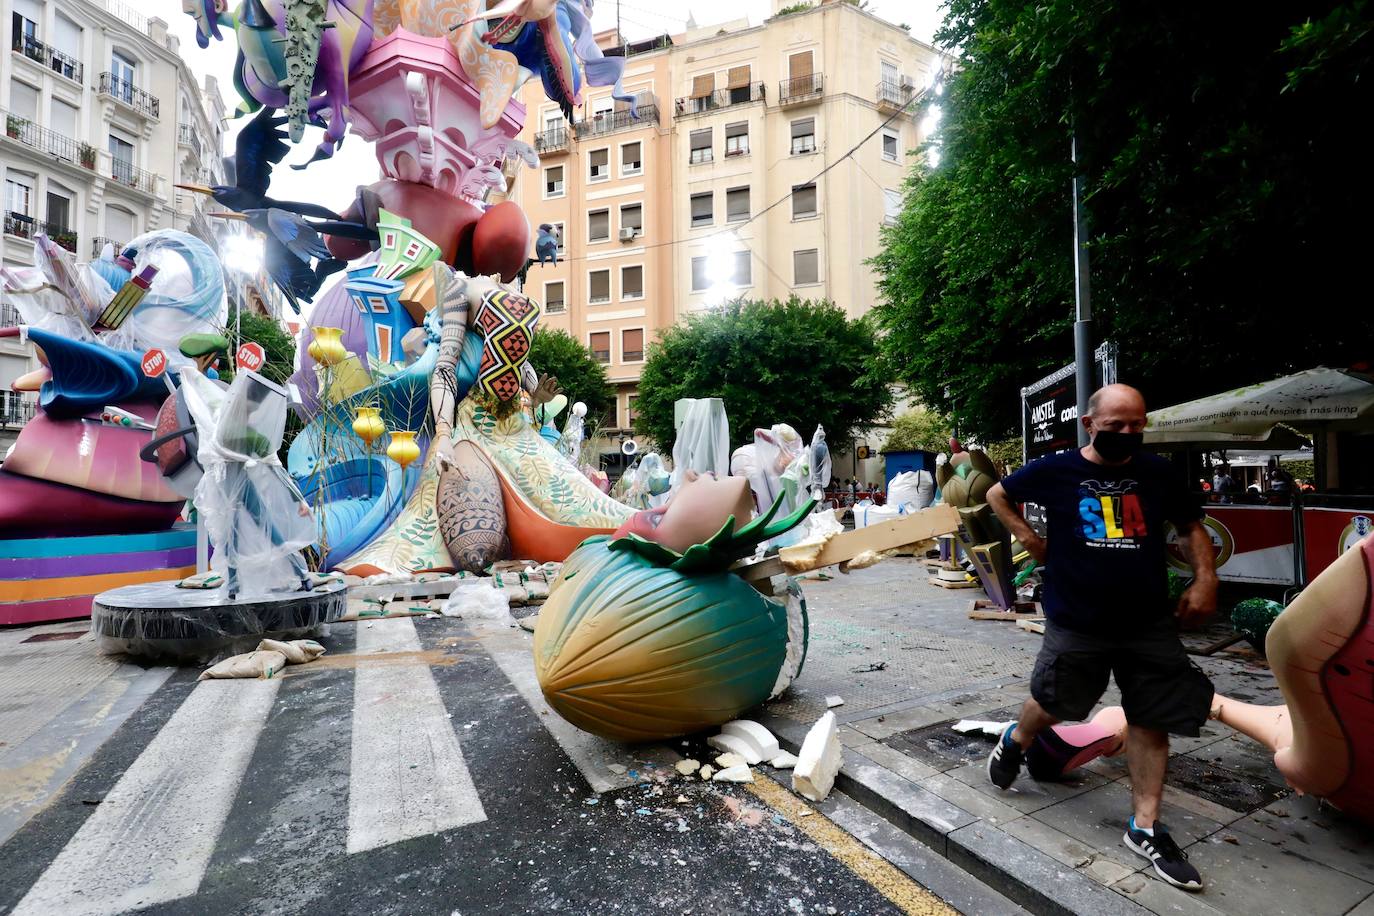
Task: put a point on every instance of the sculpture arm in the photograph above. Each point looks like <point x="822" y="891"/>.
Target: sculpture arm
<point x="1016" y="523"/>
<point x="443" y="391"/>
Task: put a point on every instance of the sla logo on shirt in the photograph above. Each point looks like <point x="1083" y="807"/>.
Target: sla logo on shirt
<point x="1111" y="514"/>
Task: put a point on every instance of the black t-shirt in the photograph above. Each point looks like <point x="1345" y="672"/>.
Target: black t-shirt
<point x="1105" y="536"/>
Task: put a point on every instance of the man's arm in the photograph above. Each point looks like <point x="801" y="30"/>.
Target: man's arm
<point x="1200" y="598"/>
<point x="1016" y="523"/>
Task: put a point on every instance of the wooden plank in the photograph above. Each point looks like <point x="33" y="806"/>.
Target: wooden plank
<point x="898" y="532"/>
<point x="943" y="583"/>
<point x="1003" y="615"/>
<point x="1030" y="626"/>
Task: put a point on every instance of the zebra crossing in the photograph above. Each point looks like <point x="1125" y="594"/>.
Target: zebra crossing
<point x="153" y="835"/>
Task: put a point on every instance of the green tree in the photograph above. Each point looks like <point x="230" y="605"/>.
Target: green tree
<point x="919" y="430"/>
<point x="582" y="378"/>
<point x="797" y="362"/>
<point x="1221" y="181"/>
<point x="276" y="342"/>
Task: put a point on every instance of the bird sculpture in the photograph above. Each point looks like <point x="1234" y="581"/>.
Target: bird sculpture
<point x="294" y="255"/>
<point x="258" y="147"/>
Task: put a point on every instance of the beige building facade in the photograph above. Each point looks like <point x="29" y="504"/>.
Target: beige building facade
<point x="734" y="182"/>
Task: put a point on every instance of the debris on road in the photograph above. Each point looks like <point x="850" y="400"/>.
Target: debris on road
<point x="727" y="760"/>
<point x="865" y="669"/>
<point x="705" y="772"/>
<point x="784" y="761"/>
<point x="834" y="700"/>
<point x="734" y="744"/>
<point x="819" y="760"/>
<point x="270" y="657"/>
<point x="969" y="726"/>
<point x="754" y="734"/>
<point x="687" y="767"/>
<point x="738" y="773"/>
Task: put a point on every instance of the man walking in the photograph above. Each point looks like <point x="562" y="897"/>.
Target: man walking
<point x="1105" y="601"/>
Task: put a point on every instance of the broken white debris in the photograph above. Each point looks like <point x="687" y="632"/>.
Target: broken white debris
<point x="705" y="772"/>
<point x="754" y="733"/>
<point x="992" y="729"/>
<point x="615" y="768"/>
<point x="739" y="773"/>
<point x="736" y="745"/>
<point x="724" y="761"/>
<point x="784" y="761"/>
<point x="819" y="760"/>
<point x="682" y="799"/>
<point x="834" y="700"/>
<point x="687" y="767"/>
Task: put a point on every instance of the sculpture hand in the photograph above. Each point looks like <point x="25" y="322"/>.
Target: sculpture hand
<point x="443" y="454"/>
<point x="546" y="390"/>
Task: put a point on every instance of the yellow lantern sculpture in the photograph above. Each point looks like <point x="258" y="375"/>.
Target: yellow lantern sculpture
<point x="328" y="348"/>
<point x="403" y="448"/>
<point x="368" y="425"/>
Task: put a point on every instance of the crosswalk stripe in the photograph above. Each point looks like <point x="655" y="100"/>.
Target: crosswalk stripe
<point x="152" y="837"/>
<point x="407" y="776"/>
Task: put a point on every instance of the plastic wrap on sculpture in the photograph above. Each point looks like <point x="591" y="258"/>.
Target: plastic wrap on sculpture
<point x="646" y="484"/>
<point x="773" y="464"/>
<point x="257" y="520"/>
<point x="820" y="464"/>
<point x="638" y="642"/>
<point x="703" y="439"/>
<point x="570" y="443"/>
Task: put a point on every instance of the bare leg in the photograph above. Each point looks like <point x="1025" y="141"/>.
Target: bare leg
<point x="1147" y="754"/>
<point x="1033" y="721"/>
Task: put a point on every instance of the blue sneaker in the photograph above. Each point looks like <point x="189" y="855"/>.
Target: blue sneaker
<point x="1170" y="862"/>
<point x="1004" y="763"/>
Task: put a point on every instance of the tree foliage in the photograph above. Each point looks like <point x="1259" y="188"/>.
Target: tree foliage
<point x="1222" y="181"/>
<point x="797" y="362"/>
<point x="555" y="352"/>
<point x="276" y="343"/>
<point x="919" y="429"/>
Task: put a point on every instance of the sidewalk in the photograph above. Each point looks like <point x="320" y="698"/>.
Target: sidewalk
<point x="908" y="663"/>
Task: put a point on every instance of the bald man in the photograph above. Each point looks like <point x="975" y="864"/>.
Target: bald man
<point x="1106" y="606"/>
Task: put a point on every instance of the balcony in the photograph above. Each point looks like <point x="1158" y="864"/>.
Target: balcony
<point x="50" y="142"/>
<point x="130" y="175"/>
<point x="9" y="316"/>
<point x="894" y="96"/>
<point x="98" y="245"/>
<point x="47" y="56"/>
<point x="551" y="141"/>
<point x="15" y="410"/>
<point x="616" y="121"/>
<point x="23" y="226"/>
<point x="721" y="98"/>
<point x="800" y="90"/>
<point x="130" y="95"/>
<point x="20" y="225"/>
<point x="187" y="136"/>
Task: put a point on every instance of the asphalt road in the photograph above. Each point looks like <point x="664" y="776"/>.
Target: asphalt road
<point x="407" y="772"/>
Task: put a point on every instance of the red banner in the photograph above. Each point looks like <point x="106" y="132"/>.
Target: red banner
<point x="1253" y="543"/>
<point x="1328" y="533"/>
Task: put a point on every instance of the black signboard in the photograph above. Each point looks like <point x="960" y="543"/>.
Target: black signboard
<point x="1049" y="408"/>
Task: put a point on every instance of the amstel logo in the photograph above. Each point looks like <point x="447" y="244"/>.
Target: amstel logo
<point x="1222" y="540"/>
<point x="1359" y="527"/>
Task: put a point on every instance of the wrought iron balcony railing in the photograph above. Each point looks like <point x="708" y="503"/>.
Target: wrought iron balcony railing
<point x="59" y="146"/>
<point x="56" y="61"/>
<point x="187" y="136"/>
<point x="15" y="410"/>
<point x="20" y="224"/>
<point x="127" y="173"/>
<point x="551" y="141"/>
<point x="124" y="91"/>
<point x="721" y="98"/>
<point x="800" y="89"/>
<point x="24" y="226"/>
<point x="98" y="245"/>
<point x="615" y="121"/>
<point x="894" y="95"/>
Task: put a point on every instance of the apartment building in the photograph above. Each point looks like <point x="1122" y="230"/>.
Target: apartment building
<point x="744" y="184"/>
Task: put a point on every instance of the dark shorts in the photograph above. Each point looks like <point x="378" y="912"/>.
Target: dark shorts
<point x="1160" y="686"/>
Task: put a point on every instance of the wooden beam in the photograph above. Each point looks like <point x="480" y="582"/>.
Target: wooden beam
<point x="906" y="529"/>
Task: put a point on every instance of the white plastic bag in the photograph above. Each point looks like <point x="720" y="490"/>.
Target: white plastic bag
<point x="911" y="491"/>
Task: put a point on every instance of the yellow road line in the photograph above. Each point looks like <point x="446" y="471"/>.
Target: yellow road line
<point x="877" y="872"/>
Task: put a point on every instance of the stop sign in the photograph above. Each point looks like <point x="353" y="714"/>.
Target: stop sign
<point x="250" y="356"/>
<point x="154" y="363"/>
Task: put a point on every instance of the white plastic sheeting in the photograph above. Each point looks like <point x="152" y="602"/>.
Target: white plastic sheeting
<point x="703" y="439"/>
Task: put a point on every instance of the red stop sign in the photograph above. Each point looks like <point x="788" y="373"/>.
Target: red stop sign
<point x="154" y="363"/>
<point x="250" y="356"/>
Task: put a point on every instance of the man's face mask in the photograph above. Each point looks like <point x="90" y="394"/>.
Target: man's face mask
<point x="1117" y="446"/>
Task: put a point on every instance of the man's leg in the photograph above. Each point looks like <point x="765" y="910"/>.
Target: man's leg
<point x="1147" y="755"/>
<point x="1033" y="721"/>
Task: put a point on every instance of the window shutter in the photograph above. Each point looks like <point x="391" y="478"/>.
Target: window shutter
<point x="703" y="85"/>
<point x="799" y="65"/>
<point x="803" y="128"/>
<point x="739" y="77"/>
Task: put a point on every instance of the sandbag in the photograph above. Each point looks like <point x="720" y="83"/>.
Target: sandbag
<point x="258" y="664"/>
<point x="297" y="651"/>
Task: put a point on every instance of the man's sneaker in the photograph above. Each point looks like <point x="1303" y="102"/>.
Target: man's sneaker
<point x="1170" y="862"/>
<point x="1004" y="763"/>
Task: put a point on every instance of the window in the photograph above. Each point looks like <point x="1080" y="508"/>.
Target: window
<point x="19" y="195"/>
<point x="553" y="120"/>
<point x="59" y="208"/>
<point x="598" y="225"/>
<point x="703" y="210"/>
<point x="553" y="298"/>
<point x="599" y="287"/>
<point x="632" y="217"/>
<point x="632" y="350"/>
<point x="800" y="66"/>
<point x="737" y="204"/>
<point x="700" y="281"/>
<point x="892" y="206"/>
<point x="889" y="76"/>
<point x="631" y="409"/>
<point x="122" y="73"/>
<point x="23" y="101"/>
<point x="122" y="160"/>
<point x="739" y="78"/>
<point x="63" y="118"/>
<point x="632" y="282"/>
<point x="701" y="146"/>
<point x="891" y="146"/>
<point x="119" y="225"/>
<point x="602" y="107"/>
<point x="631" y="161"/>
<point x="803" y="200"/>
<point x="599" y="342"/>
<point x="737" y="139"/>
<point x="25" y="34"/>
<point x="599" y="165"/>
<point x="803" y="136"/>
<point x="805" y="267"/>
<point x="553" y="181"/>
<point x="741" y="272"/>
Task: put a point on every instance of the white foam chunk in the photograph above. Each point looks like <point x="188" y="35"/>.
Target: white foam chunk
<point x="819" y="760"/>
<point x="738" y="773"/>
<point x="834" y="700"/>
<point x="733" y="744"/>
<point x="761" y="738"/>
<point x="784" y="761"/>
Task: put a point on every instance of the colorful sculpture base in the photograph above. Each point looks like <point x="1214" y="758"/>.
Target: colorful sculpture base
<point x="43" y="579"/>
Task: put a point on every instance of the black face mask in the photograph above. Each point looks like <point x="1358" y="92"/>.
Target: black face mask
<point x="1114" y="446"/>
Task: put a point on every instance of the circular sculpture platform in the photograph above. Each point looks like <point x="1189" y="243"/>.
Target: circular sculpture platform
<point x="159" y="620"/>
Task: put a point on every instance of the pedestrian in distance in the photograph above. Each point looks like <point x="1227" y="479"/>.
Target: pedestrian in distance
<point x="1106" y="604"/>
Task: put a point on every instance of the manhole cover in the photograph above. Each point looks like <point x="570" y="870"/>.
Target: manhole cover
<point x="1238" y="791"/>
<point x="941" y="746"/>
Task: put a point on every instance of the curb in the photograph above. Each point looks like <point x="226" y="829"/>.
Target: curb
<point x="1004" y="863"/>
